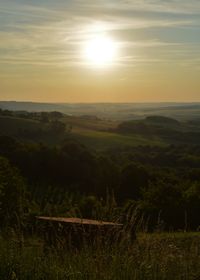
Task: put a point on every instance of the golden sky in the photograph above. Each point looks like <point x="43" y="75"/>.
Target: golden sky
<point x="42" y="50"/>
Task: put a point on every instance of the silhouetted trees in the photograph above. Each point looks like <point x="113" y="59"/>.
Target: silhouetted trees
<point x="161" y="182"/>
<point x="13" y="204"/>
<point x="133" y="179"/>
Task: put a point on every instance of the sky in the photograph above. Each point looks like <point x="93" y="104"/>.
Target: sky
<point x="42" y="45"/>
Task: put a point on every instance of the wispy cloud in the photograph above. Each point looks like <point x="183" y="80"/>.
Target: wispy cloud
<point x="156" y="6"/>
<point x="37" y="35"/>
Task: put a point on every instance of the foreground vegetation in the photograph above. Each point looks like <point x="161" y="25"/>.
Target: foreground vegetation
<point x="153" y="256"/>
<point x="56" y="165"/>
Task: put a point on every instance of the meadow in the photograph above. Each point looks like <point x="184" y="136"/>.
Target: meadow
<point x="94" y="133"/>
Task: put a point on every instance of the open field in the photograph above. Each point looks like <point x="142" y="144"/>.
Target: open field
<point x="94" y="133"/>
<point x="90" y="122"/>
<point x="102" y="140"/>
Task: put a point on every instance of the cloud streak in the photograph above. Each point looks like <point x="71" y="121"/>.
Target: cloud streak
<point x="53" y="36"/>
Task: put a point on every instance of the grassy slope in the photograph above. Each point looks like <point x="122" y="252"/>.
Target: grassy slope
<point x="90" y="123"/>
<point x="94" y="133"/>
<point x="28" y="130"/>
<point x="97" y="134"/>
<point x="12" y="125"/>
<point x="104" y="140"/>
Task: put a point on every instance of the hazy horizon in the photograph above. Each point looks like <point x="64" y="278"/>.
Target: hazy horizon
<point x="99" y="102"/>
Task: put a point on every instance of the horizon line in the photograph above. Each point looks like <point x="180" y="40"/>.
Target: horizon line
<point x="108" y="102"/>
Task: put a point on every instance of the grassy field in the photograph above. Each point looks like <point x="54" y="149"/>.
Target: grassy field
<point x="94" y="133"/>
<point x="101" y="140"/>
<point x="97" y="134"/>
<point x="162" y="256"/>
<point x="90" y="123"/>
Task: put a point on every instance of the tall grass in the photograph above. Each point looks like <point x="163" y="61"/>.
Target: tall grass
<point x="151" y="256"/>
<point x="161" y="256"/>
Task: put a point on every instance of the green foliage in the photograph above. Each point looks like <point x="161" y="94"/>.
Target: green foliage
<point x="57" y="127"/>
<point x="159" y="180"/>
<point x="145" y="187"/>
<point x="55" y="115"/>
<point x="192" y="204"/>
<point x="161" y="120"/>
<point x="133" y="180"/>
<point x="12" y="195"/>
<point x="166" y="129"/>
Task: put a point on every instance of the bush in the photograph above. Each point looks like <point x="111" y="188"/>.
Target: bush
<point x="12" y="195"/>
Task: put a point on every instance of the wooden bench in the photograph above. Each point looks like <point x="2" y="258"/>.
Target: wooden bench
<point x="76" y="232"/>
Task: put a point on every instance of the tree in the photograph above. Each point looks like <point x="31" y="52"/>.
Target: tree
<point x="57" y="127"/>
<point x="192" y="205"/>
<point x="44" y="117"/>
<point x="133" y="179"/>
<point x="163" y="201"/>
<point x="55" y="115"/>
<point x="12" y="195"/>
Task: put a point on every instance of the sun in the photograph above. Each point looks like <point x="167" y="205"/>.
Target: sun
<point x="100" y="51"/>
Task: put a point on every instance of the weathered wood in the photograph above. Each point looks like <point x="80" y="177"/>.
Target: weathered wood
<point x="76" y="232"/>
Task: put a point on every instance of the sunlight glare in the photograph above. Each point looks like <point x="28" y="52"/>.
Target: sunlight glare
<point x="100" y="51"/>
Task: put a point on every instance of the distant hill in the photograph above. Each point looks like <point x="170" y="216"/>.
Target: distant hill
<point x="112" y="111"/>
<point x="15" y="126"/>
<point x="31" y="130"/>
<point x="161" y="120"/>
<point x="149" y="125"/>
<point x="30" y="106"/>
<point x="97" y="133"/>
<point x="167" y="129"/>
